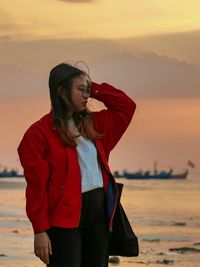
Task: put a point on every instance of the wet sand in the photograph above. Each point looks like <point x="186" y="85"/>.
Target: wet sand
<point x="165" y="215"/>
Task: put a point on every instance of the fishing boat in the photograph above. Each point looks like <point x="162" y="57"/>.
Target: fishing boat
<point x="155" y="175"/>
<point x="161" y="175"/>
<point x="5" y="173"/>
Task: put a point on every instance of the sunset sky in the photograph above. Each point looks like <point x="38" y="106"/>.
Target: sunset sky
<point x="147" y="48"/>
<point x="43" y="19"/>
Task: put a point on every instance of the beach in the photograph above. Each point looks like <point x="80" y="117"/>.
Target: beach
<point x="165" y="215"/>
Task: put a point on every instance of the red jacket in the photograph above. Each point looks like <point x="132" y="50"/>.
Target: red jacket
<point x="52" y="172"/>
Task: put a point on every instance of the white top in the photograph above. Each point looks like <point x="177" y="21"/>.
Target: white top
<point x="91" y="176"/>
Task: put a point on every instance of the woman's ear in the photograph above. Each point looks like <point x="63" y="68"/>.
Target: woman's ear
<point x="61" y="92"/>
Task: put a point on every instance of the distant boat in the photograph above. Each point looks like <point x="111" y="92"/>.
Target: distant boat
<point x="155" y="175"/>
<point x="147" y="175"/>
<point x="8" y="174"/>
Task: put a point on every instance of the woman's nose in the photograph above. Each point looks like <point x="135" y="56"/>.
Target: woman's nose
<point x="86" y="94"/>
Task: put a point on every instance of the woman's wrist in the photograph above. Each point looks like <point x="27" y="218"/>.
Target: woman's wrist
<point x="40" y="232"/>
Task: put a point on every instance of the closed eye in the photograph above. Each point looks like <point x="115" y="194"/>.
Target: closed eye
<point x="86" y="88"/>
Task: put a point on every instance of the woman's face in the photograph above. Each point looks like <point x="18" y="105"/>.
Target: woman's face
<point x="79" y="95"/>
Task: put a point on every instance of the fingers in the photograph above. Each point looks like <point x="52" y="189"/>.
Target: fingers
<point x="50" y="247"/>
<point x="43" y="254"/>
<point x="42" y="247"/>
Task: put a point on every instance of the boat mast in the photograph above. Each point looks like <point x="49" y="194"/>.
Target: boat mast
<point x="155" y="166"/>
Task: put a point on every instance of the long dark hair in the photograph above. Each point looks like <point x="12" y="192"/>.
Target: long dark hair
<point x="83" y="120"/>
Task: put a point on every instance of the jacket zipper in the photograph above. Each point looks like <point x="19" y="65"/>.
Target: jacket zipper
<point x="113" y="211"/>
<point x="110" y="225"/>
<point x="80" y="209"/>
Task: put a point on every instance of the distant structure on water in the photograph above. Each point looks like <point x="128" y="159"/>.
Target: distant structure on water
<point x="5" y="173"/>
<point x="155" y="175"/>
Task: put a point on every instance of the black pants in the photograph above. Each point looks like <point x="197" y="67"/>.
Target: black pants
<point x="87" y="245"/>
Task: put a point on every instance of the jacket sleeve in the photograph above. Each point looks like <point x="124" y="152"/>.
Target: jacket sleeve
<point x="31" y="152"/>
<point x="114" y="120"/>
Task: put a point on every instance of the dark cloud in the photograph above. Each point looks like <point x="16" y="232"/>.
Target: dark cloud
<point x="182" y="44"/>
<point x="19" y="82"/>
<point x="149" y="75"/>
<point x="141" y="72"/>
<point x="5" y="38"/>
<point x="143" y="76"/>
<point x="77" y="1"/>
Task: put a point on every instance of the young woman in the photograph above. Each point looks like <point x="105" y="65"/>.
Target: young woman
<point x="65" y="160"/>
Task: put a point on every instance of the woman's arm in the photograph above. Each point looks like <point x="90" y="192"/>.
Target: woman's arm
<point x="31" y="150"/>
<point x="114" y="120"/>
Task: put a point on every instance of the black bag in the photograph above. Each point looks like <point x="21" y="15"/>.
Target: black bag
<point x="123" y="241"/>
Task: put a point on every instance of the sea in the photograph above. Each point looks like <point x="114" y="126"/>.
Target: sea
<point x="164" y="214"/>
